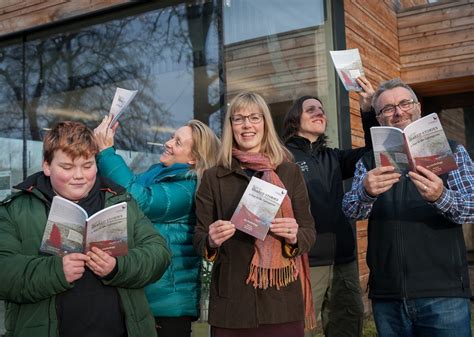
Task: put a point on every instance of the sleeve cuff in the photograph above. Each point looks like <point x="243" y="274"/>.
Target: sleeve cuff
<point x="107" y="152"/>
<point x="112" y="274"/>
<point x="364" y="196"/>
<point x="444" y="201"/>
<point x="210" y="254"/>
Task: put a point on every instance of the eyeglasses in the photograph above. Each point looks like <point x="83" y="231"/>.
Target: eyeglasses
<point x="253" y="118"/>
<point x="389" y="109"/>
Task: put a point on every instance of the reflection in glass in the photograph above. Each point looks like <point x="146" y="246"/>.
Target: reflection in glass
<point x="277" y="48"/>
<point x="11" y="116"/>
<point x="170" y="55"/>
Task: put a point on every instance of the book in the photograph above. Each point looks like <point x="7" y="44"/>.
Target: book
<point x="258" y="207"/>
<point x="70" y="230"/>
<point x="348" y="66"/>
<point x="423" y="142"/>
<point x="121" y="101"/>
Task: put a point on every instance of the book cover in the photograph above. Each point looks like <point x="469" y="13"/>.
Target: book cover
<point x="70" y="230"/>
<point x="348" y="66"/>
<point x="423" y="143"/>
<point x="121" y="101"/>
<point x="258" y="207"/>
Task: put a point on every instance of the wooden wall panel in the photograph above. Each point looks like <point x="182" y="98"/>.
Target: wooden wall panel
<point x="371" y="26"/>
<point x="437" y="47"/>
<point x="281" y="68"/>
<point x="20" y="15"/>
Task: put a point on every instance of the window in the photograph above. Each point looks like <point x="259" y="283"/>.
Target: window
<point x="170" y="55"/>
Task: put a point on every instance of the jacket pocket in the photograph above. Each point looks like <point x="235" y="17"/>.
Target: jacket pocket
<point x="11" y="316"/>
<point x="223" y="279"/>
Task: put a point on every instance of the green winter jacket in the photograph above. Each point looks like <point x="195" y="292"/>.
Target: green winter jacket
<point x="30" y="280"/>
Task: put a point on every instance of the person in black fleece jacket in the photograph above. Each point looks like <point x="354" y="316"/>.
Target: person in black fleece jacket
<point x="334" y="272"/>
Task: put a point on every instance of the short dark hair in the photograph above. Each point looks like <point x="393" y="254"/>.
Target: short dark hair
<point x="389" y="85"/>
<point x="73" y="138"/>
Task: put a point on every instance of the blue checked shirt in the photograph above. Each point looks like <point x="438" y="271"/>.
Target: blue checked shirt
<point x="456" y="201"/>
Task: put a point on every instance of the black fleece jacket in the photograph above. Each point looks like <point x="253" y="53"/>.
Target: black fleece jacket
<point x="324" y="171"/>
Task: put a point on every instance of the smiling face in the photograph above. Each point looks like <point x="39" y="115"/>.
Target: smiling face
<point x="400" y="119"/>
<point x="313" y="120"/>
<point x="247" y="135"/>
<point x="179" y="148"/>
<point x="71" y="179"/>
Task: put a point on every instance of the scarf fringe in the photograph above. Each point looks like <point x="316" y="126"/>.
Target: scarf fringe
<point x="274" y="277"/>
<point x="310" y="322"/>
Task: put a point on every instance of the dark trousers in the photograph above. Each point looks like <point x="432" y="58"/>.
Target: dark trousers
<point x="173" y="326"/>
<point x="338" y="299"/>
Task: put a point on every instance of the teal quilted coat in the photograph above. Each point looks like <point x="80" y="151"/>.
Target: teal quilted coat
<point x="166" y="196"/>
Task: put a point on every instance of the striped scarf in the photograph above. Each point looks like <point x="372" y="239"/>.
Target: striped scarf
<point x="268" y="266"/>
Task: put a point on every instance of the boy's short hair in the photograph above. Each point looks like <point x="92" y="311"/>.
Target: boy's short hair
<point x="73" y="138"/>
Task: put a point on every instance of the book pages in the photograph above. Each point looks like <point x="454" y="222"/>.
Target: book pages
<point x="348" y="66"/>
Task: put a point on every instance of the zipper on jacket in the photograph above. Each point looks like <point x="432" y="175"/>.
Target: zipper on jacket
<point x="401" y="246"/>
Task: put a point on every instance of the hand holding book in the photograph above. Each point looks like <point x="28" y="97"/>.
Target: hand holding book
<point x="428" y="184"/>
<point x="74" y="266"/>
<point x="100" y="262"/>
<point x="380" y="180"/>
<point x="105" y="134"/>
<point x="219" y="232"/>
<point x="287" y="228"/>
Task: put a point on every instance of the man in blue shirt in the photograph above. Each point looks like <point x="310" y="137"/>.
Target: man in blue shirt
<point x="419" y="282"/>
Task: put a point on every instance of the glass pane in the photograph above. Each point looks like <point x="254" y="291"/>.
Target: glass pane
<point x="11" y="127"/>
<point x="170" y="55"/>
<point x="277" y="48"/>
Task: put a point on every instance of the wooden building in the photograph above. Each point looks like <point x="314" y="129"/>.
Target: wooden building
<point x="430" y="45"/>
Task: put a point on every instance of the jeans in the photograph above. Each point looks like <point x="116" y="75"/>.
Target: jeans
<point x="423" y="317"/>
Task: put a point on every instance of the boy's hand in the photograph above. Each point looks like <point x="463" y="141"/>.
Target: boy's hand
<point x="100" y="262"/>
<point x="74" y="266"/>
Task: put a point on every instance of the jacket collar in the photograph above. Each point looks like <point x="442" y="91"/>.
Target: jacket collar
<point x="234" y="169"/>
<point x="298" y="142"/>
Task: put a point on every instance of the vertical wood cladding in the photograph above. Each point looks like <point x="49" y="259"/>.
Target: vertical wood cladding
<point x="371" y="26"/>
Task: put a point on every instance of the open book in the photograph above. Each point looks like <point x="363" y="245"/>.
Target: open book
<point x="257" y="207"/>
<point x="122" y="99"/>
<point x="423" y="143"/>
<point x="70" y="230"/>
<point x="348" y="66"/>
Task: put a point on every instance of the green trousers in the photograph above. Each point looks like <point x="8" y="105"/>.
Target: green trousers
<point x="338" y="299"/>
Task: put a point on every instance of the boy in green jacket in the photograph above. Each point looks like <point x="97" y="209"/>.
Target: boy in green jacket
<point x="77" y="294"/>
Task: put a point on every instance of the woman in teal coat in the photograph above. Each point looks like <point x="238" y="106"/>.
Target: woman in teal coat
<point x="165" y="192"/>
